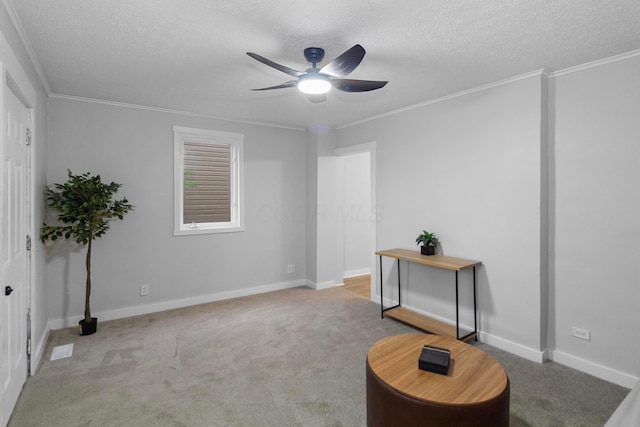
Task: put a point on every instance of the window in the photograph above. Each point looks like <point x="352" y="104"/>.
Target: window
<point x="207" y="181"/>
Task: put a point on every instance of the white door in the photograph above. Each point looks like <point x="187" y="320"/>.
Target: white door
<point x="13" y="254"/>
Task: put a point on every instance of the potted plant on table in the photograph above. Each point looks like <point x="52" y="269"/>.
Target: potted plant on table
<point x="429" y="243"/>
<point x="85" y="206"/>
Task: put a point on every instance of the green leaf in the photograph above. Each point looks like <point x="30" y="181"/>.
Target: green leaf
<point x="85" y="205"/>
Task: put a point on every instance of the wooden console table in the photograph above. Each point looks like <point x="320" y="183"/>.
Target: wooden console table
<point x="423" y="322"/>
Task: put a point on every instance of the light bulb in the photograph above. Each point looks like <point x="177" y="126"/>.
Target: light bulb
<point x="314" y="85"/>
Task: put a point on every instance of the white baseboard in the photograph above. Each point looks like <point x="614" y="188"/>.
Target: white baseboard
<point x="37" y="352"/>
<point x="538" y="356"/>
<point x="184" y="302"/>
<point x="628" y="412"/>
<point x="356" y="273"/>
<point x="386" y="301"/>
<point x="591" y="368"/>
<point x="326" y="285"/>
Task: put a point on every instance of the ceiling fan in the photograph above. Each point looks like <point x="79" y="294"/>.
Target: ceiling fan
<point x="318" y="81"/>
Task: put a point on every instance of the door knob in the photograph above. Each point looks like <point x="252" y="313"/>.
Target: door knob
<point x="8" y="290"/>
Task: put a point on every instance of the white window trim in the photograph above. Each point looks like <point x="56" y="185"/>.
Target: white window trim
<point x="236" y="140"/>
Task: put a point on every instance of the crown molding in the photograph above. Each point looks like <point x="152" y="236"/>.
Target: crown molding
<point x="169" y="111"/>
<point x="541" y="73"/>
<point x="544" y="73"/>
<point x="596" y="63"/>
<point x="17" y="24"/>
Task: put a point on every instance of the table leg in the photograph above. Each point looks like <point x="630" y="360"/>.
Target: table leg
<point x="457" y="318"/>
<point x="475" y="305"/>
<point x="399" y="287"/>
<point x="381" y="298"/>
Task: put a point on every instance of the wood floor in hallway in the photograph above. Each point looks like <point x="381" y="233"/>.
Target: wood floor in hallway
<point x="360" y="285"/>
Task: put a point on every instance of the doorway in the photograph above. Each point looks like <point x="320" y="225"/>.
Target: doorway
<point x="359" y="213"/>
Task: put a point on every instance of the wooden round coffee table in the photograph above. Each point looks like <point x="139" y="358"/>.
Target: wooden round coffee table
<point x="475" y="392"/>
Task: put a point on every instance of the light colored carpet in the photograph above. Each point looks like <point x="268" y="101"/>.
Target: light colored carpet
<point x="287" y="358"/>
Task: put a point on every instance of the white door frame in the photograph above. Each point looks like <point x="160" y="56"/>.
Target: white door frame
<point x="368" y="147"/>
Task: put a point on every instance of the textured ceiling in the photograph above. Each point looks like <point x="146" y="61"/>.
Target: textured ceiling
<point x="189" y="55"/>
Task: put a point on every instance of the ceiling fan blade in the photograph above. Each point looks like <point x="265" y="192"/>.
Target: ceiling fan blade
<point x="291" y="83"/>
<point x="345" y="63"/>
<point x="275" y="65"/>
<point x="348" y="85"/>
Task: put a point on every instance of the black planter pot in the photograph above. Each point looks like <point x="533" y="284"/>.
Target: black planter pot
<point x="88" y="328"/>
<point x="428" y="250"/>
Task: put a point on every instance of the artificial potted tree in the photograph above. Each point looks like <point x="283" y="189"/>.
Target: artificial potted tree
<point x="85" y="206"/>
<point x="429" y="242"/>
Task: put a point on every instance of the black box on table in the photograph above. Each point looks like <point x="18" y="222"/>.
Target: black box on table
<point x="434" y="359"/>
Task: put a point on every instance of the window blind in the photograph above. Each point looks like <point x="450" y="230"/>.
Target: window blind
<point x="207" y="182"/>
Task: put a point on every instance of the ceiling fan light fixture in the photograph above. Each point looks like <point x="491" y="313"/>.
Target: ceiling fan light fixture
<point x="314" y="85"/>
<point x="319" y="81"/>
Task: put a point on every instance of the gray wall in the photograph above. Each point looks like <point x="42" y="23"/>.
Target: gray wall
<point x="596" y="216"/>
<point x="469" y="169"/>
<point x="538" y="179"/>
<point x="325" y="223"/>
<point x="135" y="148"/>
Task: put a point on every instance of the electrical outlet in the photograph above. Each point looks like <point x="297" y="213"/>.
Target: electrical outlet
<point x="583" y="334"/>
<point x="144" y="290"/>
<point x="291" y="268"/>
